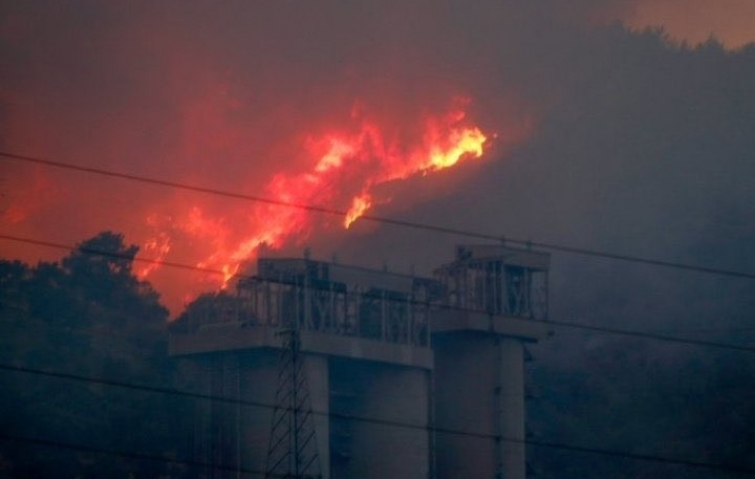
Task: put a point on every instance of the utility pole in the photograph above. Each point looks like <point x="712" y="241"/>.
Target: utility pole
<point x="292" y="451"/>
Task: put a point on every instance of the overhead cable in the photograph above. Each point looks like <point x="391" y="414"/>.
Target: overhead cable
<point x="383" y="220"/>
<point x="551" y="322"/>
<point x="331" y="414"/>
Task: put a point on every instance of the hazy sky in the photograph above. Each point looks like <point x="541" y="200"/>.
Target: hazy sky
<point x="605" y="136"/>
<point x="694" y="21"/>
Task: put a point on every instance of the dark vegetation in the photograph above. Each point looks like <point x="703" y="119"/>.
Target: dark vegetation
<point x="87" y="316"/>
<point x="686" y="403"/>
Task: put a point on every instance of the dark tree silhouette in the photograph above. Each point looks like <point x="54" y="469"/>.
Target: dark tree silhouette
<point x="89" y="316"/>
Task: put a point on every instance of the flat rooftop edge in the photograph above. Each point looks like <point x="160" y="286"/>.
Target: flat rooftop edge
<point x="281" y="269"/>
<point x="527" y="258"/>
<point x="232" y="336"/>
<point x="526" y="329"/>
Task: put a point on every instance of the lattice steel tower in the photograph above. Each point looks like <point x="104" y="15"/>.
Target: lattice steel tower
<point x="292" y="451"/>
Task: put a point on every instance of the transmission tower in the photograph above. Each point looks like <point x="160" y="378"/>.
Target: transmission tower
<point x="292" y="452"/>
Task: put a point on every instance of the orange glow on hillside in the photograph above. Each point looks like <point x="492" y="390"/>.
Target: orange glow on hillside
<point x="339" y="170"/>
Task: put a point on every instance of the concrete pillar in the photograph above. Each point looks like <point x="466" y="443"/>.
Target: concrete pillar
<point x="316" y="369"/>
<point x="202" y="433"/>
<point x="258" y="381"/>
<point x="511" y="408"/>
<point x="394" y="398"/>
<point x="479" y="406"/>
<point x="465" y="382"/>
<point x="217" y="440"/>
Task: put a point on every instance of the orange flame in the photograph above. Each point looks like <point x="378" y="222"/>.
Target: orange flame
<point x="468" y="141"/>
<point x="155" y="249"/>
<point x="345" y="167"/>
<point x="359" y="205"/>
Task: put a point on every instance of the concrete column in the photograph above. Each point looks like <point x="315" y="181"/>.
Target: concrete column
<point x="395" y="398"/>
<point x="511" y="408"/>
<point x="465" y="382"/>
<point x="316" y="369"/>
<point x="479" y="406"/>
<point x="202" y="369"/>
<point x="258" y="381"/>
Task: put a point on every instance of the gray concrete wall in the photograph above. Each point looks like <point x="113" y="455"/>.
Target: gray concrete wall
<point x="231" y="337"/>
<point x="393" y="442"/>
<point x="393" y="398"/>
<point x="318" y="381"/>
<point x="259" y="380"/>
<point x="237" y="435"/>
<point x="479" y="395"/>
<point x="216" y="432"/>
<point x="512" y="408"/>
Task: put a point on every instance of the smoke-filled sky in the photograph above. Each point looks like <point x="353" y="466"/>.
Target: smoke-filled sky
<point x="598" y="132"/>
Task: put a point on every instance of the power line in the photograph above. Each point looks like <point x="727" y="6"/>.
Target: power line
<point x="67" y="247"/>
<point x="350" y="417"/>
<point x="330" y="414"/>
<point x="384" y="220"/>
<point x="126" y="454"/>
<point x="131" y="347"/>
<point x="551" y="322"/>
<point x="643" y="457"/>
<point x="111" y="335"/>
<point x="438" y="229"/>
<point x="560" y="323"/>
<point x="234" y="401"/>
<point x="647" y="335"/>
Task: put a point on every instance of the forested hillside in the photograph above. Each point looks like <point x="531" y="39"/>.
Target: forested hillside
<point x="87" y="317"/>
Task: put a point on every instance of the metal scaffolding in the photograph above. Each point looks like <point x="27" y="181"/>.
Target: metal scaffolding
<point x="497" y="280"/>
<point x="337" y="300"/>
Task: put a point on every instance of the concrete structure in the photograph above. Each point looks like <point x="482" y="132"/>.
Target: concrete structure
<point x="389" y="359"/>
<point x="496" y="301"/>
<point x="364" y="340"/>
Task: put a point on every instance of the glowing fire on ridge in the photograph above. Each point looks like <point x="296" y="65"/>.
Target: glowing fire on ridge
<point x="359" y="205"/>
<point x="345" y="169"/>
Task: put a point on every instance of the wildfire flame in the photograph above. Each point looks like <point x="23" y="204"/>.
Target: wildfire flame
<point x="344" y="169"/>
<point x="359" y="205"/>
<point x="156" y="248"/>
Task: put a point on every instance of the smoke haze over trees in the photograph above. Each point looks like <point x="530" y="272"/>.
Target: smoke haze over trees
<point x="173" y="92"/>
